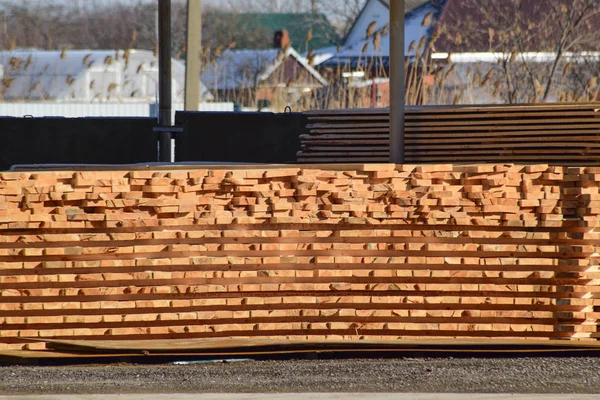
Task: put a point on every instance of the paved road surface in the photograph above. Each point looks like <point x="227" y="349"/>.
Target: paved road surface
<point x="309" y="396"/>
<point x="524" y="375"/>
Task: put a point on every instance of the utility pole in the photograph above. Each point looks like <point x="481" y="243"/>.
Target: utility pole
<point x="397" y="84"/>
<point x="193" y="59"/>
<point x="314" y="6"/>
<point x="164" y="81"/>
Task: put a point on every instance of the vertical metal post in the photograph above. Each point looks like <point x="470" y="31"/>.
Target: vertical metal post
<point x="164" y="79"/>
<point x="193" y="61"/>
<point x="397" y="84"/>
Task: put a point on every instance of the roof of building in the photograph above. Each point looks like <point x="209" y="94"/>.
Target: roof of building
<point x="409" y="5"/>
<point x="297" y="24"/>
<point x="529" y="57"/>
<point x="236" y="69"/>
<point x="366" y="52"/>
<point x="50" y="75"/>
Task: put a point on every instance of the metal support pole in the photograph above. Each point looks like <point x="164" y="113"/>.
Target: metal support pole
<point x="164" y="79"/>
<point x="397" y="84"/>
<point x="193" y="61"/>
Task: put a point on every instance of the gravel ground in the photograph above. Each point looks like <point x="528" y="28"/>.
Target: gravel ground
<point x="521" y="375"/>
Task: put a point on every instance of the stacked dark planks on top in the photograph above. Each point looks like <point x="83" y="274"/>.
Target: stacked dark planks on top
<point x="565" y="134"/>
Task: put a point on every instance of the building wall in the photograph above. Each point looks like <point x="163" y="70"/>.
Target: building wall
<point x="374" y="95"/>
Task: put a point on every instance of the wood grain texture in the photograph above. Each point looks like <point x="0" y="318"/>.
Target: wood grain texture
<point x="320" y="252"/>
<point x="566" y="134"/>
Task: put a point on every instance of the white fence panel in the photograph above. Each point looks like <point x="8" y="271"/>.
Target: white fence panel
<point x="78" y="110"/>
<point x="74" y="110"/>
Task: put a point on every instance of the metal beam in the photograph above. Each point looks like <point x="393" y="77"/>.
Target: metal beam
<point x="193" y="61"/>
<point x="397" y="84"/>
<point x="164" y="79"/>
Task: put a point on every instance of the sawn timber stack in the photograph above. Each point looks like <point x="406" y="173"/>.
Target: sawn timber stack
<point x="353" y="252"/>
<point x="557" y="134"/>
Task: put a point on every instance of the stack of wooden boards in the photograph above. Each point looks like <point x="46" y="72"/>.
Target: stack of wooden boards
<point x="320" y="252"/>
<point x="558" y="134"/>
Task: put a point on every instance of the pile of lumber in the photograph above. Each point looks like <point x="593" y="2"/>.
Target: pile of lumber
<point x="558" y="134"/>
<point x="320" y="252"/>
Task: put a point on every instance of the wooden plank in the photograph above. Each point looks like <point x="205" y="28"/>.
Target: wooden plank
<point x="203" y="345"/>
<point x="531" y="138"/>
<point x="303" y="267"/>
<point x="283" y="333"/>
<point x="500" y="122"/>
<point x="396" y="295"/>
<point x="571" y="132"/>
<point x="432" y="147"/>
<point x="530" y="158"/>
<point x="277" y="279"/>
<point x="295" y="306"/>
<point x="514" y="114"/>
<point x="17" y="357"/>
<point x="466" y="108"/>
<point x="288" y="320"/>
<point x="503" y="128"/>
<point x="568" y="227"/>
<point x="525" y="254"/>
<point x="430" y="143"/>
<point x="426" y="135"/>
<point x="306" y="226"/>
<point x="300" y="240"/>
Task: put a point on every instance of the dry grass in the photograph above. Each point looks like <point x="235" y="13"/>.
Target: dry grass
<point x="510" y="79"/>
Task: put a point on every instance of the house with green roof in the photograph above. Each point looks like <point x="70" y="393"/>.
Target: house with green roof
<point x="255" y="30"/>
